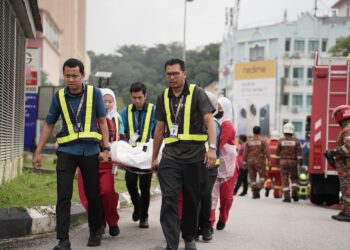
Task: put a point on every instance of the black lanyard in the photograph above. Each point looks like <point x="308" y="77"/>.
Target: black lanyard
<point x="179" y="105"/>
<point x="76" y="115"/>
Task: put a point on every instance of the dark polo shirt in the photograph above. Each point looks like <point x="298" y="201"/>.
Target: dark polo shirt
<point x="185" y="151"/>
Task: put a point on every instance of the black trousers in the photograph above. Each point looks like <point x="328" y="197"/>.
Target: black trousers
<point x="242" y="178"/>
<point x="191" y="178"/>
<point x="140" y="201"/>
<point x="65" y="169"/>
<point x="205" y="204"/>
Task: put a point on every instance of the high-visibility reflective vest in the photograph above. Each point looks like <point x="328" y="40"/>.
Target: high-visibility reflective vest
<point x="88" y="134"/>
<point x="273" y="146"/>
<point x="186" y="135"/>
<point x="144" y="135"/>
<point x="117" y="126"/>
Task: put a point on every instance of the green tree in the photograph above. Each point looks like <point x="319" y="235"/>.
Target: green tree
<point x="341" y="48"/>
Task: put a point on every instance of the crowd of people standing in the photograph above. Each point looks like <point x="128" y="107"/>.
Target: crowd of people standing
<point x="201" y="165"/>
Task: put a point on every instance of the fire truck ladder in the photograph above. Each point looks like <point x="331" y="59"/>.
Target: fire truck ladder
<point x="334" y="74"/>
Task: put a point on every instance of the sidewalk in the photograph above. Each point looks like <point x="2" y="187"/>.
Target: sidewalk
<point x="20" y="222"/>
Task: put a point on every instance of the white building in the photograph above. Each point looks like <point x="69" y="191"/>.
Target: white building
<point x="291" y="46"/>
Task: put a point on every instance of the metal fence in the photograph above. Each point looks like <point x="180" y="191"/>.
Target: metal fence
<point x="12" y="83"/>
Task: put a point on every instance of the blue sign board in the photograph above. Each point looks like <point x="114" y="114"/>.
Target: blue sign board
<point x="31" y="107"/>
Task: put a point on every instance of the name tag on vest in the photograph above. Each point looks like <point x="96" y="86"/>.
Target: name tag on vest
<point x="288" y="143"/>
<point x="254" y="143"/>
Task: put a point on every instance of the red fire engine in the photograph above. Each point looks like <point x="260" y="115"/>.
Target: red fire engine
<point x="330" y="89"/>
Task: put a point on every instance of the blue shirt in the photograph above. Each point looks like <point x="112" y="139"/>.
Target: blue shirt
<point x="81" y="148"/>
<point x="136" y="118"/>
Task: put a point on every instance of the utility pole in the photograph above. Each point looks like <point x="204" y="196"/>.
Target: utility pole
<point x="184" y="41"/>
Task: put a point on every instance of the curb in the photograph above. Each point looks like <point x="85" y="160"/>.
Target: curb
<point x="21" y="222"/>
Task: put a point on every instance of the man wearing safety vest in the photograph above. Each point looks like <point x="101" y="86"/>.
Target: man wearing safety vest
<point x="83" y="127"/>
<point x="185" y="121"/>
<point x="139" y="122"/>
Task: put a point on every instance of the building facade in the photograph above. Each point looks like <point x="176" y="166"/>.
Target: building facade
<point x="292" y="46"/>
<point x="18" y="20"/>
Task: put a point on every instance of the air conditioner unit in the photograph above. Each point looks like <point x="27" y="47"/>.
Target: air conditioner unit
<point x="296" y="55"/>
<point x="295" y="82"/>
<point x="295" y="110"/>
<point x="286" y="55"/>
<point x="309" y="82"/>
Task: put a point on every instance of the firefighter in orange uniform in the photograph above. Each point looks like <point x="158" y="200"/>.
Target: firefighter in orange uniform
<point x="273" y="172"/>
<point x="255" y="155"/>
<point x="289" y="155"/>
<point x="341" y="114"/>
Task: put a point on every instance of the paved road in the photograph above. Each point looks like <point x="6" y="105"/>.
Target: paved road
<point x="253" y="224"/>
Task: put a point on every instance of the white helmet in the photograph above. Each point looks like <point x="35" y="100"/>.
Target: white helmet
<point x="288" y="128"/>
<point x="275" y="135"/>
<point x="212" y="98"/>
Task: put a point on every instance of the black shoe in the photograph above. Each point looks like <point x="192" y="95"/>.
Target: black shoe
<point x="63" y="245"/>
<point x="143" y="223"/>
<point x="114" y="231"/>
<point x="256" y="196"/>
<point x="94" y="239"/>
<point x="295" y="198"/>
<point x="267" y="192"/>
<point x="207" y="235"/>
<point x="220" y="225"/>
<point x="242" y="194"/>
<point x="342" y="217"/>
<point x="135" y="216"/>
<point x="287" y="200"/>
<point x="190" y="245"/>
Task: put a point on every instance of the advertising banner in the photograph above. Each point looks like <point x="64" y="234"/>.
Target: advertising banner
<point x="31" y="95"/>
<point x="254" y="96"/>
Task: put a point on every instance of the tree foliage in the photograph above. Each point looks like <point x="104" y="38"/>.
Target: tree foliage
<point x="131" y="63"/>
<point x="341" y="48"/>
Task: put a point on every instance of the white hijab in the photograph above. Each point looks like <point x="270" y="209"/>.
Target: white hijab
<point x="226" y="105"/>
<point x="110" y="92"/>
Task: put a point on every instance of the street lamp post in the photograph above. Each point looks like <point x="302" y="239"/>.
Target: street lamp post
<point x="184" y="42"/>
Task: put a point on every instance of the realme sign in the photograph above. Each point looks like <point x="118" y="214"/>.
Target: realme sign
<point x="255" y="70"/>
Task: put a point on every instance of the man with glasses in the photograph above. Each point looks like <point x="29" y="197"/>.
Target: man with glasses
<point x="184" y="120"/>
<point x="83" y="127"/>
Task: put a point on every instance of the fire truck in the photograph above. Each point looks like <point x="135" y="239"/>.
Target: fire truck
<point x="330" y="89"/>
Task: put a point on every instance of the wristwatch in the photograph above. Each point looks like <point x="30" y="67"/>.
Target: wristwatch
<point x="106" y="149"/>
<point x="212" y="146"/>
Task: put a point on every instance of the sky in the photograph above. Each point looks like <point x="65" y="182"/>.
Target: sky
<point x="114" y="23"/>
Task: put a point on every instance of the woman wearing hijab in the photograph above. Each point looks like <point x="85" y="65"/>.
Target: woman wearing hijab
<point x="108" y="194"/>
<point x="228" y="173"/>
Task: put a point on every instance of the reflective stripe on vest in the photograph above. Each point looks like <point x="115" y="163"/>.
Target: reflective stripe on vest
<point x="116" y="121"/>
<point x="72" y="135"/>
<point x="146" y="124"/>
<point x="217" y="162"/>
<point x="185" y="136"/>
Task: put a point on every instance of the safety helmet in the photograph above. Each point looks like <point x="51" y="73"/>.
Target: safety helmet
<point x="288" y="128"/>
<point x="275" y="135"/>
<point x="341" y="113"/>
<point x="213" y="100"/>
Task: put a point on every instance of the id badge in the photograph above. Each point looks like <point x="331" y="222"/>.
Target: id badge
<point x="174" y="130"/>
<point x="134" y="138"/>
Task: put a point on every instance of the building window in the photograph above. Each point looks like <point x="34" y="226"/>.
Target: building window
<point x="285" y="99"/>
<point x="298" y="127"/>
<point x="298" y="72"/>
<point x="309" y="100"/>
<point x="309" y="76"/>
<point x="313" y="45"/>
<point x="297" y="100"/>
<point x="286" y="72"/>
<point x="324" y="45"/>
<point x="299" y="45"/>
<point x="287" y="44"/>
<point x="256" y="53"/>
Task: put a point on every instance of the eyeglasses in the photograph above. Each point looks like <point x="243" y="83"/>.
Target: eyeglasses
<point x="172" y="74"/>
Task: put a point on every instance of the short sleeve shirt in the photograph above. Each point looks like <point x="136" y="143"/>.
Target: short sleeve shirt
<point x="186" y="151"/>
<point x="81" y="148"/>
